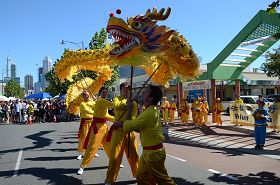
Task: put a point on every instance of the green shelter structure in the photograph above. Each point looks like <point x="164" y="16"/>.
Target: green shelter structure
<point x="260" y="34"/>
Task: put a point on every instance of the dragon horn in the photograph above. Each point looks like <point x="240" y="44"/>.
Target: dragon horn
<point x="154" y="15"/>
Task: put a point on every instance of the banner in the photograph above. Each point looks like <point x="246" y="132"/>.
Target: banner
<point x="241" y="114"/>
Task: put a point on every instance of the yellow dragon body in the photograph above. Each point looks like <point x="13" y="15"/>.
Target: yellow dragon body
<point x="139" y="42"/>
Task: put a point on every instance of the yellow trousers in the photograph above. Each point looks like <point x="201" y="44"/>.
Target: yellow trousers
<point x="119" y="145"/>
<point x="184" y="117"/>
<point x="165" y="115"/>
<point x="172" y="116"/>
<point x="204" y="117"/>
<point x="198" y="119"/>
<point x="219" y="118"/>
<point x="193" y="116"/>
<point x="95" y="141"/>
<point x="152" y="170"/>
<point x="83" y="135"/>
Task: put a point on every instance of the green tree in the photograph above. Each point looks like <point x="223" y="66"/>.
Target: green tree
<point x="56" y="87"/>
<point x="272" y="65"/>
<point x="13" y="89"/>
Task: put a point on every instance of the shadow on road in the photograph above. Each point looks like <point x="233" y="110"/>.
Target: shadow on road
<point x="120" y="182"/>
<point x="231" y="139"/>
<point x="55" y="176"/>
<point x="51" y="158"/>
<point x="39" y="142"/>
<point x="182" y="181"/>
<point x="258" y="178"/>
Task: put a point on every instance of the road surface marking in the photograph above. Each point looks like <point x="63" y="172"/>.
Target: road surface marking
<point x="223" y="174"/>
<point x="18" y="163"/>
<point x="183" y="160"/>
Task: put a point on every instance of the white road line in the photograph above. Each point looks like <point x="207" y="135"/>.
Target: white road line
<point x="18" y="163"/>
<point x="183" y="160"/>
<point x="223" y="174"/>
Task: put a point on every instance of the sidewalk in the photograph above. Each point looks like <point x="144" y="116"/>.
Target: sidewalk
<point x="228" y="136"/>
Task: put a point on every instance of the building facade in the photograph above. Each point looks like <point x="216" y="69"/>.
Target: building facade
<point x="28" y="83"/>
<point x="11" y="72"/>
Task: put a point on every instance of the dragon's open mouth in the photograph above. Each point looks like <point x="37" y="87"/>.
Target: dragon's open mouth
<point x="124" y="39"/>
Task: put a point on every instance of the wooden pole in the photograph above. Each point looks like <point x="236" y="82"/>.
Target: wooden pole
<point x="130" y="99"/>
<point x="213" y="95"/>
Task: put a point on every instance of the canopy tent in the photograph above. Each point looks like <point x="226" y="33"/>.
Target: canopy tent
<point x="62" y="97"/>
<point x="41" y="95"/>
<point x="3" y="98"/>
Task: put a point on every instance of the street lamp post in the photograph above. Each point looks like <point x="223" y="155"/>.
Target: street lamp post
<point x="75" y="43"/>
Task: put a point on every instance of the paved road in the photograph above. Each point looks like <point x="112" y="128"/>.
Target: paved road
<point x="45" y="154"/>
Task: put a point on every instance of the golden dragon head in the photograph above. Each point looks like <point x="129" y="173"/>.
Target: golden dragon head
<point x="139" y="33"/>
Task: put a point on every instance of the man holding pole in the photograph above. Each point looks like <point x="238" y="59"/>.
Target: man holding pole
<point x="151" y="165"/>
<point x="119" y="140"/>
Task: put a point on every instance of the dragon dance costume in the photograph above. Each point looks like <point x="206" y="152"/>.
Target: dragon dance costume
<point x="151" y="168"/>
<point x="87" y="111"/>
<point x="98" y="131"/>
<point x="172" y="109"/>
<point x="185" y="111"/>
<point x="119" y="142"/>
<point x="164" y="110"/>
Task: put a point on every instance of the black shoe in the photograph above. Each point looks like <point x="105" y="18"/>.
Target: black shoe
<point x="257" y="146"/>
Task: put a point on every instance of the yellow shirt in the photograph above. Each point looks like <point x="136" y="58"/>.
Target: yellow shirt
<point x="173" y="106"/>
<point x="239" y="101"/>
<point x="120" y="107"/>
<point x="164" y="104"/>
<point x="101" y="108"/>
<point x="184" y="106"/>
<point x="30" y="109"/>
<point x="149" y="125"/>
<point x="86" y="109"/>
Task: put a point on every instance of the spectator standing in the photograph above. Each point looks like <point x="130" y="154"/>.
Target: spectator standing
<point x="261" y="117"/>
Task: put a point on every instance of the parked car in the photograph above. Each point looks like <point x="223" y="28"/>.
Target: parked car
<point x="251" y="102"/>
<point x="271" y="100"/>
<point x="274" y="96"/>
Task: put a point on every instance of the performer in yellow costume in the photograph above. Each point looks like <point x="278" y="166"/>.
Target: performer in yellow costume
<point x="164" y="109"/>
<point x="198" y="115"/>
<point x="218" y="109"/>
<point x="151" y="166"/>
<point x="172" y="110"/>
<point x="119" y="141"/>
<point x="98" y="130"/>
<point x="185" y="111"/>
<point x="204" y="110"/>
<point x="86" y="114"/>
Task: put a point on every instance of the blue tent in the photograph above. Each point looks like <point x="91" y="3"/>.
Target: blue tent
<point x="40" y="95"/>
<point x="62" y="97"/>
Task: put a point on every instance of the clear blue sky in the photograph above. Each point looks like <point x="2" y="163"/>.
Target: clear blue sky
<point x="33" y="29"/>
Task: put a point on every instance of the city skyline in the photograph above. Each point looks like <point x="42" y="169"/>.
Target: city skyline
<point x="10" y="72"/>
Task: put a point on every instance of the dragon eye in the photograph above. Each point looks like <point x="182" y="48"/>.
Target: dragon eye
<point x="137" y="25"/>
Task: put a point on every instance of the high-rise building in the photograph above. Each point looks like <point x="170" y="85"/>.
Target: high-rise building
<point x="47" y="64"/>
<point x="28" y="82"/>
<point x="11" y="71"/>
<point x="8" y="67"/>
<point x="40" y="73"/>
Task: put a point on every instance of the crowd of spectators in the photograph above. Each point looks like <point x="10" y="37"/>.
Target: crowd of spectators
<point x="39" y="111"/>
